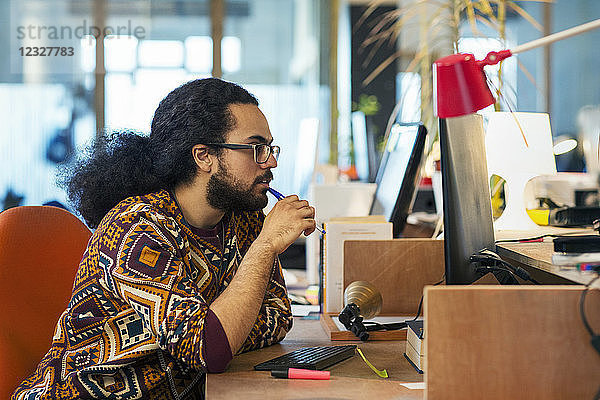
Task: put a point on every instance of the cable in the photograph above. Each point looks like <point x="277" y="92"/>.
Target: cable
<point x="496" y="269"/>
<point x="352" y="320"/>
<point x="378" y="326"/>
<point x="595" y="337"/>
<point x="532" y="239"/>
<point x="582" y="308"/>
<point x="421" y="301"/>
<point x="485" y="255"/>
<point x="521" y="273"/>
<point x="419" y="309"/>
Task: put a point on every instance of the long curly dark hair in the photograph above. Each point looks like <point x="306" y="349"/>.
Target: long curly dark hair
<point x="124" y="164"/>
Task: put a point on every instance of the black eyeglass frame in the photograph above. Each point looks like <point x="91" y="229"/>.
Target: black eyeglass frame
<point x="273" y="150"/>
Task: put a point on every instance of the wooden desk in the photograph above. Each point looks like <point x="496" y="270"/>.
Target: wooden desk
<point x="350" y="379"/>
<point x="536" y="258"/>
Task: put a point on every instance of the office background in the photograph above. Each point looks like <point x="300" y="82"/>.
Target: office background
<point x="279" y="49"/>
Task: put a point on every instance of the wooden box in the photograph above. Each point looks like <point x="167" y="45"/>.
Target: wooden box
<point x="507" y="342"/>
<point x="398" y="268"/>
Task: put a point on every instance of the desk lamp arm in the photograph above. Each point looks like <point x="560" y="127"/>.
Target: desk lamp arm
<point x="494" y="57"/>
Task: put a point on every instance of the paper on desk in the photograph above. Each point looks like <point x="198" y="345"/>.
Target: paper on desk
<point x="301" y="310"/>
<point x="414" y="385"/>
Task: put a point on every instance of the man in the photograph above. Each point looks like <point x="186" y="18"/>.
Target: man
<point x="182" y="270"/>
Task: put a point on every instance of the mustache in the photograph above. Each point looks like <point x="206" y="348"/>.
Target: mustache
<point x="267" y="176"/>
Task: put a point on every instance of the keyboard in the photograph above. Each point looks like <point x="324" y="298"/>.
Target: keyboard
<point x="315" y="358"/>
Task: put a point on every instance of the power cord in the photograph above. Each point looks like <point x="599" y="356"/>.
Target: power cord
<point x="485" y="269"/>
<point x="487" y="261"/>
<point x="378" y="326"/>
<point x="595" y="336"/>
<point x="537" y="238"/>
<point x="421" y="301"/>
<point x="398" y="325"/>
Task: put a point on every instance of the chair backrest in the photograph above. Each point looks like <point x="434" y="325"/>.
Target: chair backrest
<point x="40" y="250"/>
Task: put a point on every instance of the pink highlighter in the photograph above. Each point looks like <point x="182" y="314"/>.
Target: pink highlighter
<point x="296" y="373"/>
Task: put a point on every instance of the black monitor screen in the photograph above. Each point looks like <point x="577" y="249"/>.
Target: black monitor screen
<point x="398" y="174"/>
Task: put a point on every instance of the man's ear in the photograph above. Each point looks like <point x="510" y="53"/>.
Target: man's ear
<point x="202" y="158"/>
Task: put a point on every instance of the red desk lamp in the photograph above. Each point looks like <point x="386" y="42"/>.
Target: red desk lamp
<point x="460" y="89"/>
<point x="459" y="81"/>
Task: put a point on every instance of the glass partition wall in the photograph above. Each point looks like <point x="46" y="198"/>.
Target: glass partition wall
<point x="113" y="61"/>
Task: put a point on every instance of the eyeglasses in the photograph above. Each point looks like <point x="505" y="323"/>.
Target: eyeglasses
<point x="262" y="152"/>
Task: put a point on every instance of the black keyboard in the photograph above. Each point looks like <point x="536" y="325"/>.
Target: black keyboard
<point x="316" y="358"/>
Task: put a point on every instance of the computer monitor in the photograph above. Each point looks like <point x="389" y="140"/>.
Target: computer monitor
<point x="399" y="174"/>
<point x="359" y="144"/>
<point x="306" y="155"/>
<point x="468" y="222"/>
<point x="365" y="153"/>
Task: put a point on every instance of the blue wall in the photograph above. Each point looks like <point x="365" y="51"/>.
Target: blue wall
<point x="575" y="63"/>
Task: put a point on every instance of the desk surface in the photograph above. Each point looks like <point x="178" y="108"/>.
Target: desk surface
<point x="349" y="379"/>
<point x="538" y="256"/>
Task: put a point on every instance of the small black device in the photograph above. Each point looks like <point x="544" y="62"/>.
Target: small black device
<point x="316" y="358"/>
<point x="577" y="244"/>
<point x="573" y="216"/>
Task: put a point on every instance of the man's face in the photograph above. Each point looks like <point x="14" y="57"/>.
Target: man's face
<point x="240" y="183"/>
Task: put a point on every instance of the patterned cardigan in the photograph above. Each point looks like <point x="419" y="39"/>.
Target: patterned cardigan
<point x="138" y="324"/>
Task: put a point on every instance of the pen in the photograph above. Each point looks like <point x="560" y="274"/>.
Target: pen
<point x="296" y="373"/>
<point x="279" y="196"/>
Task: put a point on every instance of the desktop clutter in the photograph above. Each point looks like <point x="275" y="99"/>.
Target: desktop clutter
<point x="380" y="212"/>
<point x="377" y="289"/>
<point x="495" y="327"/>
<point x="375" y="286"/>
<point x="477" y="337"/>
<point x="387" y="283"/>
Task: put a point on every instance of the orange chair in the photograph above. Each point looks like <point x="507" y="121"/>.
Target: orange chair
<point x="40" y="250"/>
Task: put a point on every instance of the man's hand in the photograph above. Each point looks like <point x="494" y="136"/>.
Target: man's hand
<point x="239" y="304"/>
<point x="286" y="221"/>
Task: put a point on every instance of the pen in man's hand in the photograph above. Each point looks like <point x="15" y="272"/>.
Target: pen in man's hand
<point x="275" y="193"/>
<point x="279" y="196"/>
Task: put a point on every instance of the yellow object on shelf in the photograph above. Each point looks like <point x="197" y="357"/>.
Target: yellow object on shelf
<point x="539" y="215"/>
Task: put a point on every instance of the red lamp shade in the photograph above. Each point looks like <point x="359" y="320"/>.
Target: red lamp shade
<point x="460" y="85"/>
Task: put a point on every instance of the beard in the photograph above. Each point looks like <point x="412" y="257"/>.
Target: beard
<point x="225" y="192"/>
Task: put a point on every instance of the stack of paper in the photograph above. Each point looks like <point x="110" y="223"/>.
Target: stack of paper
<point x="339" y="230"/>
